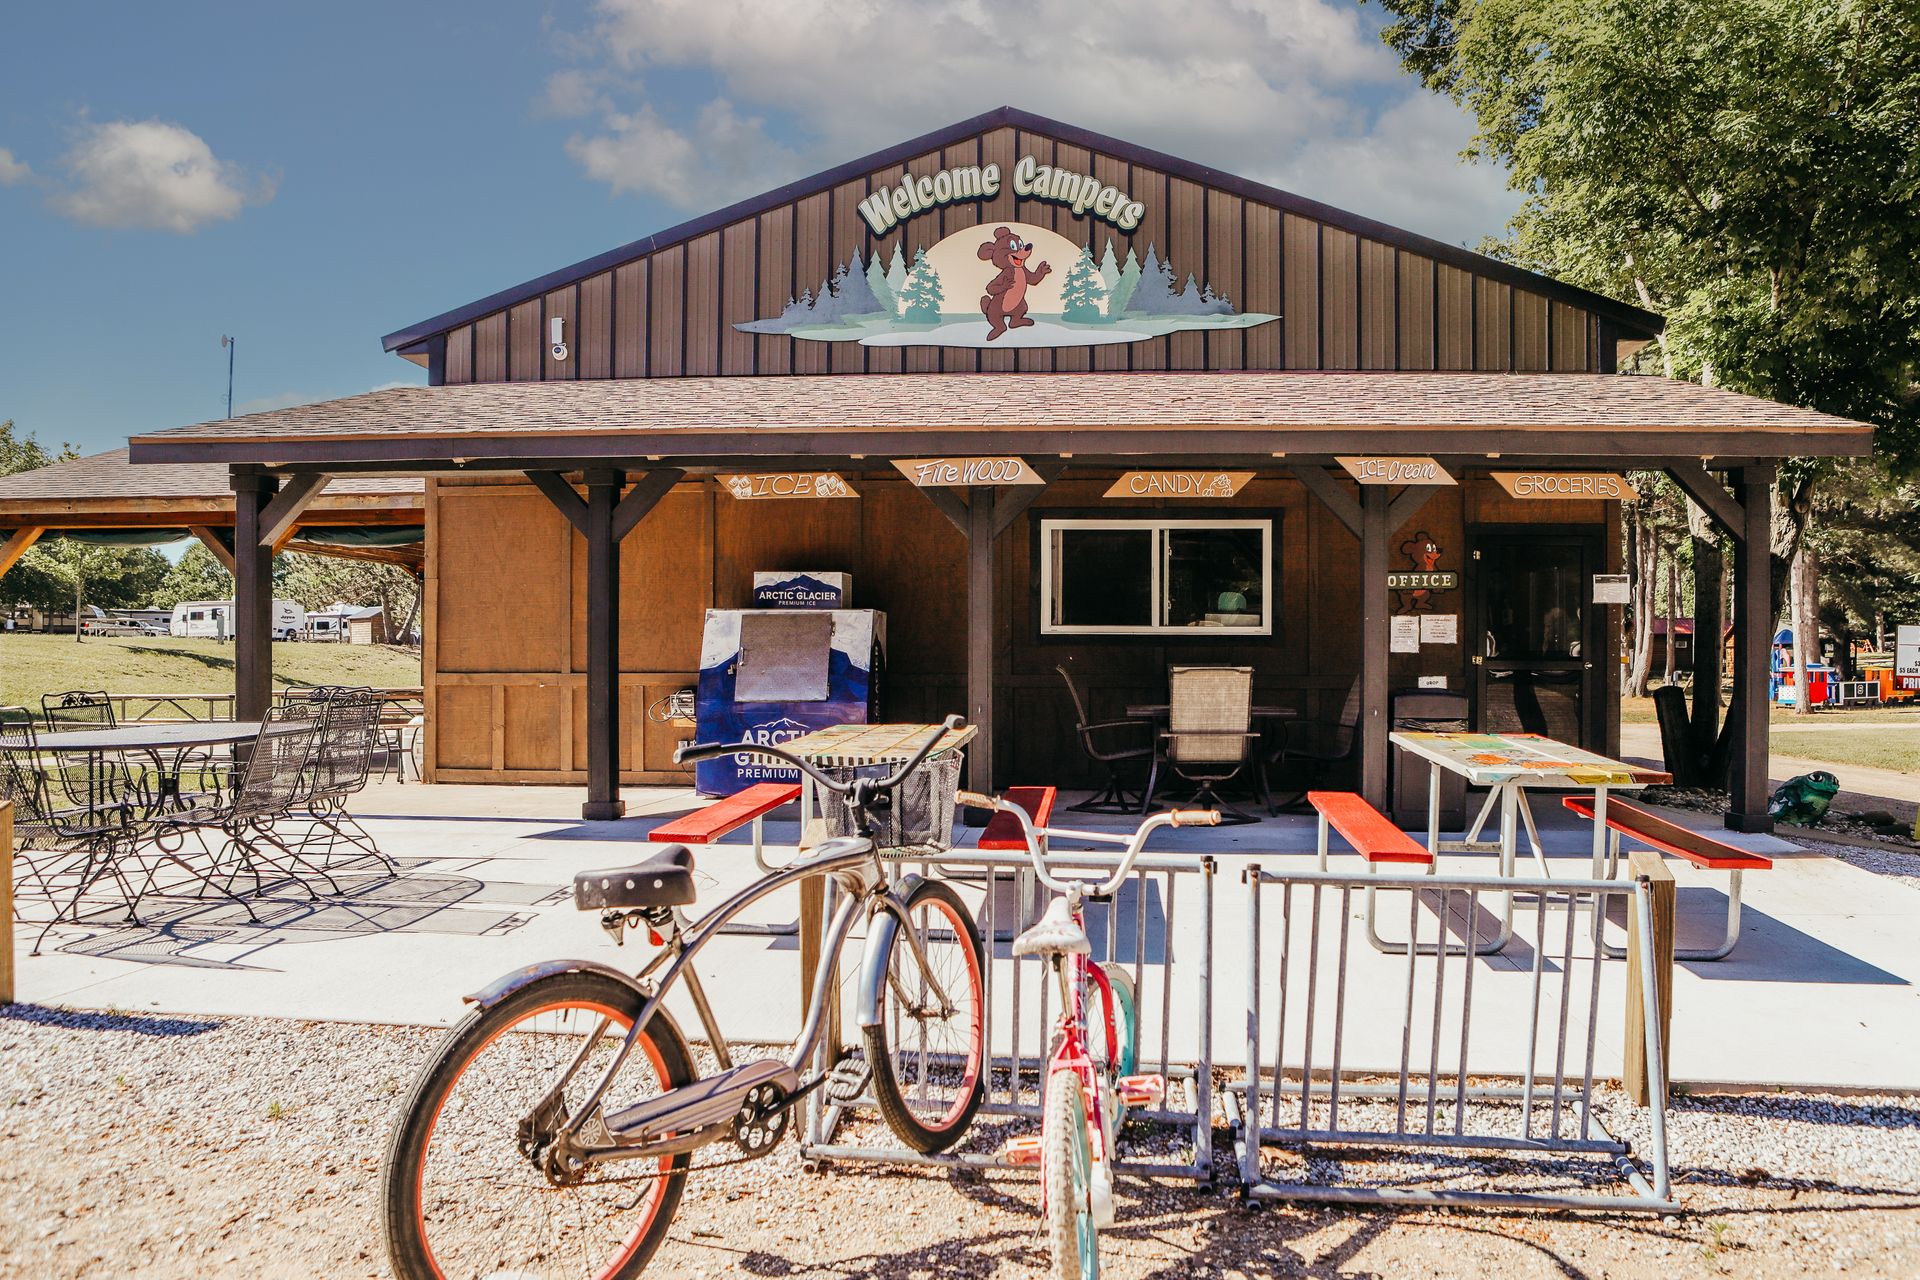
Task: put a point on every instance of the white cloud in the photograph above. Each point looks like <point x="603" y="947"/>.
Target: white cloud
<point x="148" y="173"/>
<point x="11" y="170"/>
<point x="1264" y="88"/>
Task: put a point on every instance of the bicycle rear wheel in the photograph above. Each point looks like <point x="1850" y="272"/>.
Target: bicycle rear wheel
<point x="462" y="1195"/>
<point x="928" y="1053"/>
<point x="1066" y="1181"/>
<point x="1126" y="1023"/>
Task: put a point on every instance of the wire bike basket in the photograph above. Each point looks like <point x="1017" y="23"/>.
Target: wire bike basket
<point x="914" y="818"/>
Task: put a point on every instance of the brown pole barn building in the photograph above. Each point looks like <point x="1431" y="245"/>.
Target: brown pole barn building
<point x="1055" y="400"/>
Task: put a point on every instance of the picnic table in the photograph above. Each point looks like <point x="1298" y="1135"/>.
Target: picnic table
<point x="1508" y="764"/>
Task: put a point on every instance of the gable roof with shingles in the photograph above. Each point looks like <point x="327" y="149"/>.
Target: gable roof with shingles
<point x="1635" y="321"/>
<point x="112" y="477"/>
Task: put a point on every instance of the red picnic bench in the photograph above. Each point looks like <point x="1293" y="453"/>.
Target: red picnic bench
<point x="1378" y="841"/>
<point x="705" y="825"/>
<point x="1701" y="850"/>
<point x="1003" y="833"/>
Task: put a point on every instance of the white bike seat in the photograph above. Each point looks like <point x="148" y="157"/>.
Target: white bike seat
<point x="1056" y="932"/>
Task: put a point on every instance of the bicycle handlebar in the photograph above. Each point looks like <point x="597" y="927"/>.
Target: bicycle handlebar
<point x="1135" y="845"/>
<point x="866" y="786"/>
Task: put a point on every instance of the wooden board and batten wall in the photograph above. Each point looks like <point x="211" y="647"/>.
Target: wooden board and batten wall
<point x="505" y="660"/>
<point x="1351" y="294"/>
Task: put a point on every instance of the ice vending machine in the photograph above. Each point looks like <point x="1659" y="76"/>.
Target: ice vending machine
<point x="767" y="675"/>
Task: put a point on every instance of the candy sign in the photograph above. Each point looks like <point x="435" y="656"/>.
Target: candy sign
<point x="1179" y="484"/>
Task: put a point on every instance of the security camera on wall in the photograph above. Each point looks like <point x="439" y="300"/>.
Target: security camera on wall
<point x="558" y="337"/>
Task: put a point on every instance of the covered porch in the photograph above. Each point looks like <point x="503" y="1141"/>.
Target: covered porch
<point x="605" y="455"/>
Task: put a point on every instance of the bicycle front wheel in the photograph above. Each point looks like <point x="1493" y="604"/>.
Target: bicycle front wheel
<point x="929" y="1047"/>
<point x="463" y="1195"/>
<point x="1066" y="1180"/>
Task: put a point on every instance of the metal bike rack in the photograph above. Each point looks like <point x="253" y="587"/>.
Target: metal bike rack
<point x="1296" y="1093"/>
<point x="1018" y="992"/>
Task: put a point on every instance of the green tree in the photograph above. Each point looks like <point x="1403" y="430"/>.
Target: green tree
<point x="315" y="582"/>
<point x="1748" y="168"/>
<point x="922" y="295"/>
<point x="1083" y="292"/>
<point x="196" y="576"/>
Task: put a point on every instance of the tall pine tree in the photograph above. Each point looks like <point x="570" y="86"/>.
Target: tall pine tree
<point x="1083" y="294"/>
<point x="922" y="295"/>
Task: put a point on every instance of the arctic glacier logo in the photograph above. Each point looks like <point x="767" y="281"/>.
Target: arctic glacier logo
<point x="774" y="732"/>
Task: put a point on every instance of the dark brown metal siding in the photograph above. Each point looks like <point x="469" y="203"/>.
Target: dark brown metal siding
<point x="1343" y="302"/>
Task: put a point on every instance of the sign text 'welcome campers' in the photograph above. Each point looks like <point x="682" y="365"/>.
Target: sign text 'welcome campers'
<point x="1179" y="484"/>
<point x="944" y="472"/>
<point x="1081" y="192"/>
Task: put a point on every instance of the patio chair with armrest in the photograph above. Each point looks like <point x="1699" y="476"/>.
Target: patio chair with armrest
<point x="341" y="762"/>
<point x="1313" y="748"/>
<point x="271" y="782"/>
<point x="1210" y="736"/>
<point x="1117" y="745"/>
<point x="78" y="709"/>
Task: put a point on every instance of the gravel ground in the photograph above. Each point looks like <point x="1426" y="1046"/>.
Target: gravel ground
<point x="1885" y="859"/>
<point x="188" y="1147"/>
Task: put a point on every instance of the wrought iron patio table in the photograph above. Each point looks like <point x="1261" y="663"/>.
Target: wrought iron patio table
<point x="157" y="740"/>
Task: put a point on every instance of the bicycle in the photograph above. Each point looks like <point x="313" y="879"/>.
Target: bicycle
<point x="553" y="1130"/>
<point x="1090" y="1081"/>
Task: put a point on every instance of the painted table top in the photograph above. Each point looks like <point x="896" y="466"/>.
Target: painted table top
<point x="858" y="744"/>
<point x="1489" y="759"/>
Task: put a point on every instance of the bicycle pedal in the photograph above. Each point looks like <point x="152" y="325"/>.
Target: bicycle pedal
<point x="1142" y="1091"/>
<point x="848" y="1079"/>
<point x="1023" y="1150"/>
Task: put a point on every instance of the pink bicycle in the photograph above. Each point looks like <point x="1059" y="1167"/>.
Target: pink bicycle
<point x="1090" y="1076"/>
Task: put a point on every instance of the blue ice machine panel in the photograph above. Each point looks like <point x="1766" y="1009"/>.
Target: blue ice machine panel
<point x="767" y="675"/>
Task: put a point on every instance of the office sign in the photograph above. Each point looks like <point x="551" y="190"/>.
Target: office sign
<point x="1603" y="485"/>
<point x="1396" y="471"/>
<point x="1444" y="580"/>
<point x="789" y="484"/>
<point x="1179" y="484"/>
<point x="936" y="473"/>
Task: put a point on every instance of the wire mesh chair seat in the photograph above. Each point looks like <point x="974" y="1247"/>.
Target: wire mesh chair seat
<point x="1210" y="736"/>
<point x="340" y="766"/>
<point x="268" y="785"/>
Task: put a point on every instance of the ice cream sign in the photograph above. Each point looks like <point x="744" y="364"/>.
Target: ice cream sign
<point x="1082" y="192"/>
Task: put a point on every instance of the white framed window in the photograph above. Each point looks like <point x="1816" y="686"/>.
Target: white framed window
<point x="1145" y="577"/>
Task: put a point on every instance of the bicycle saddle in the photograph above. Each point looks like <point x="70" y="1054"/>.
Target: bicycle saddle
<point x="664" y="880"/>
<point x="1056" y="932"/>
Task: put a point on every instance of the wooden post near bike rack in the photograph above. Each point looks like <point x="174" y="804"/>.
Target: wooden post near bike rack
<point x="1633" y="1060"/>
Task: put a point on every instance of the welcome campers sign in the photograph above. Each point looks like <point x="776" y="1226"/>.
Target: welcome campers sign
<point x="1396" y="471"/>
<point x="1179" y="484"/>
<point x="945" y="472"/>
<point x="1081" y="192"/>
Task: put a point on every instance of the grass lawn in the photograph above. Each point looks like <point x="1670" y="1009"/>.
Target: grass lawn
<point x="1640" y="711"/>
<point x="32" y="665"/>
<point x="1863" y="746"/>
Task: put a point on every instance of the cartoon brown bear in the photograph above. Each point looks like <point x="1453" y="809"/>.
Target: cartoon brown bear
<point x="1005" y="304"/>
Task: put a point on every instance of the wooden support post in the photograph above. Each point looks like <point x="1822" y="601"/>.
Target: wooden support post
<point x="1645" y="863"/>
<point x="1752" y="641"/>
<point x="980" y="636"/>
<point x="6" y="902"/>
<point x="252" y="597"/>
<point x="603" y="648"/>
<point x="17" y="544"/>
<point x="211" y="540"/>
<point x="1375" y="612"/>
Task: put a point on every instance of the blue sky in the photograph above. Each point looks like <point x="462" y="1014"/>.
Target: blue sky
<point x="311" y="177"/>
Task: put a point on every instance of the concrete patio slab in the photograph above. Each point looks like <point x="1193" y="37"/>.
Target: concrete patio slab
<point x="1823" y="991"/>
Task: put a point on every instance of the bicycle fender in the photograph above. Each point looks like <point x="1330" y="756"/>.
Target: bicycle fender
<point x="873" y="967"/>
<point x="502" y="987"/>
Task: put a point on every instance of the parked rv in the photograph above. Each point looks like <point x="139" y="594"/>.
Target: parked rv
<point x="213" y="619"/>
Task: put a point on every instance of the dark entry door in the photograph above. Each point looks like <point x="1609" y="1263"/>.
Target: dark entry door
<point x="1538" y="643"/>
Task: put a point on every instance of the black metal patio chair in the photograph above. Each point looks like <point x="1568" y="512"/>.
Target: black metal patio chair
<point x="341" y="763"/>
<point x="1309" y="750"/>
<point x="1120" y="746"/>
<point x="270" y="783"/>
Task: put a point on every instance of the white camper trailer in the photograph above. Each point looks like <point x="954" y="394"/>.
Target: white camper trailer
<point x="213" y="619"/>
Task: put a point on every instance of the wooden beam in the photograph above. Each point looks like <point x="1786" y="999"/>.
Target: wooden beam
<point x="1333" y="496"/>
<point x="16" y="546"/>
<point x="950" y="504"/>
<point x="1753" y="640"/>
<point x="603" y="647"/>
<point x="1008" y="505"/>
<point x="276" y="522"/>
<point x="212" y="541"/>
<point x="1709" y="495"/>
<point x="1647" y="866"/>
<point x="642" y="498"/>
<point x="1375" y="612"/>
<point x="6" y="902"/>
<point x="252" y="598"/>
<point x="562" y="496"/>
<point x="1408" y="504"/>
<point x="980" y="635"/>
